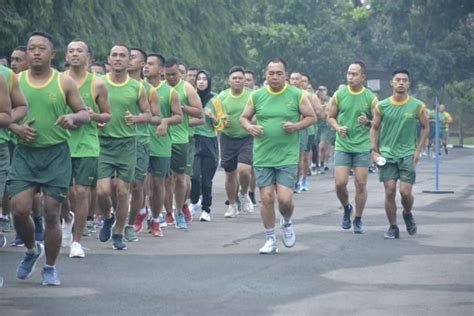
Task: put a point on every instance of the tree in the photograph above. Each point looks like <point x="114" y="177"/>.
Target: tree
<point x="462" y="94"/>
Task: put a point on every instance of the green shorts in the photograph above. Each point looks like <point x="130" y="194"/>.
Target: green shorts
<point x="310" y="143"/>
<point x="47" y="168"/>
<point x="118" y="157"/>
<point x="285" y="175"/>
<point x="303" y="139"/>
<point x="160" y="166"/>
<point x="4" y="166"/>
<point x="332" y="136"/>
<point x="178" y="157"/>
<point x="84" y="171"/>
<point x="352" y="160"/>
<point x="402" y="169"/>
<point x="190" y="157"/>
<point x="143" y="160"/>
<point x="443" y="135"/>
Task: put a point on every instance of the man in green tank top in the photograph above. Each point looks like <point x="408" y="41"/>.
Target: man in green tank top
<point x="305" y="158"/>
<point x="19" y="109"/>
<point x="42" y="160"/>
<point x="5" y="121"/>
<point x="160" y="140"/>
<point x="84" y="142"/>
<point x="236" y="144"/>
<point x="251" y="84"/>
<point x="393" y="137"/>
<point x="118" y="147"/>
<point x="182" y="154"/>
<point x="138" y="210"/>
<point x="281" y="111"/>
<point x="349" y="113"/>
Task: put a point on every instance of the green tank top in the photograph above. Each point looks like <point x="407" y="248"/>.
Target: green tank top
<point x="397" y="138"/>
<point x="143" y="130"/>
<point x="276" y="147"/>
<point x="8" y="74"/>
<point x="351" y="105"/>
<point x="122" y="97"/>
<point x="160" y="146"/>
<point x="180" y="133"/>
<point x="207" y="129"/>
<point x="233" y="106"/>
<point x="46" y="103"/>
<point x="84" y="141"/>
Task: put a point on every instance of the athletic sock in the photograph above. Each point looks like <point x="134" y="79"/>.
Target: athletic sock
<point x="286" y="220"/>
<point x="142" y="211"/>
<point x="270" y="233"/>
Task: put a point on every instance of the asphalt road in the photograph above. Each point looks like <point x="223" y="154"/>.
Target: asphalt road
<point x="214" y="268"/>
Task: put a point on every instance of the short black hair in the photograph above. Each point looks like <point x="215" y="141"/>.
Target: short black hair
<point x="21" y="48"/>
<point x="160" y="57"/>
<point x="122" y="45"/>
<point x="248" y="71"/>
<point x="48" y="36"/>
<point x="401" y="71"/>
<point x="83" y="41"/>
<point x="236" y="69"/>
<point x="277" y="60"/>
<point x="304" y="74"/>
<point x="144" y="55"/>
<point x="170" y="62"/>
<point x="360" y="63"/>
<point x="193" y="68"/>
<point x="181" y="63"/>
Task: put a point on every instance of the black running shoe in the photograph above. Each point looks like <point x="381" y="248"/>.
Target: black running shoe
<point x="410" y="223"/>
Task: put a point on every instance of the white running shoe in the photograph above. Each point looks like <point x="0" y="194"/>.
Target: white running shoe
<point x="76" y="251"/>
<point x="205" y="217"/>
<point x="195" y="207"/>
<point x="289" y="237"/>
<point x="67" y="231"/>
<point x="246" y="204"/>
<point x="232" y="211"/>
<point x="269" y="248"/>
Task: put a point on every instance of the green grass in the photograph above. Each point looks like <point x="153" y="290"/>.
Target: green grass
<point x="455" y="140"/>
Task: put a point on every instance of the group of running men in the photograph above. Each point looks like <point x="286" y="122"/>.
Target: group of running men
<point x="147" y="135"/>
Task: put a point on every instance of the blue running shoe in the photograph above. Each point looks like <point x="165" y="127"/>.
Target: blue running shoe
<point x="346" y="219"/>
<point x="118" y="242"/>
<point x="304" y="185"/>
<point x="106" y="231"/>
<point x="357" y="225"/>
<point x="39" y="228"/>
<point x="27" y="266"/>
<point x="50" y="276"/>
<point x="181" y="221"/>
<point x="17" y="242"/>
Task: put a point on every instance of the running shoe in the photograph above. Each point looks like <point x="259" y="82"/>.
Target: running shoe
<point x="138" y="223"/>
<point x="118" y="242"/>
<point x="76" y="250"/>
<point x="3" y="240"/>
<point x="5" y="224"/>
<point x="39" y="228"/>
<point x="169" y="218"/>
<point x="67" y="231"/>
<point x="205" y="216"/>
<point x="232" y="211"/>
<point x="392" y="232"/>
<point x="130" y="234"/>
<point x="156" y="229"/>
<point x="27" y="266"/>
<point x="304" y="185"/>
<point x="410" y="223"/>
<point x="187" y="213"/>
<point x="346" y="219"/>
<point x="247" y="205"/>
<point x="269" y="248"/>
<point x="181" y="221"/>
<point x="50" y="276"/>
<point x="17" y="242"/>
<point x="106" y="231"/>
<point x="357" y="225"/>
<point x="289" y="237"/>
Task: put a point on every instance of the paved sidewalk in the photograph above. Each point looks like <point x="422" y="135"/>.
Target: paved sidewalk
<point x="214" y="268"/>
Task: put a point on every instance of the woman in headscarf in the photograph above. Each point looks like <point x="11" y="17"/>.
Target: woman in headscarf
<point x="206" y="149"/>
